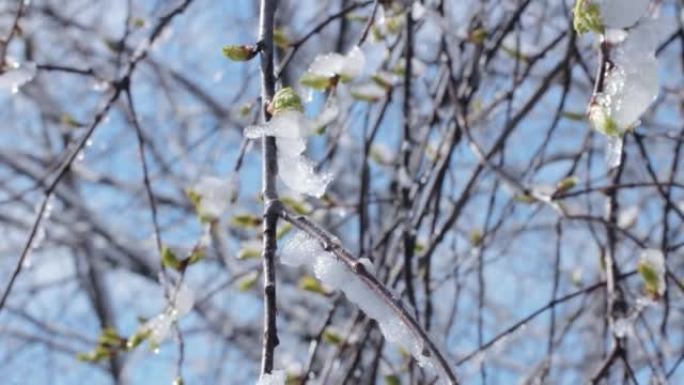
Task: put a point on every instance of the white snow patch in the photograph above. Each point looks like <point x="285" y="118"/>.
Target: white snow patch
<point x="16" y="75"/>
<point x="628" y="216"/>
<point x="216" y="195"/>
<point x="182" y="301"/>
<point x="303" y="250"/>
<point x="622" y="13"/>
<point x="333" y="64"/>
<point x="276" y="377"/>
<point x="290" y="128"/>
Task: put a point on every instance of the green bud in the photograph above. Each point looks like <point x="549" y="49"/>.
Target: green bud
<point x="317" y="82"/>
<point x="286" y="99"/>
<point x="650" y="277"/>
<point x="566" y="184"/>
<point x="602" y="122"/>
<point x="248" y="281"/>
<point x="169" y="258"/>
<point x="311" y="284"/>
<point x="587" y="17"/>
<point x="280" y="39"/>
<point x="137" y="338"/>
<point x="331" y="337"/>
<point x="240" y="52"/>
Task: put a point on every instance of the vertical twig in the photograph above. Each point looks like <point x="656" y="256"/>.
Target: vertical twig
<point x="409" y="238"/>
<point x="270" y="193"/>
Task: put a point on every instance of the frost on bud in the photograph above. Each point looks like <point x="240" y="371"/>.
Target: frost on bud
<point x="286" y="99"/>
<point x="602" y="122"/>
<point x="369" y="92"/>
<point x="242" y="52"/>
<point x="652" y="270"/>
<point x="211" y="197"/>
<point x="309" y="283"/>
<point x="587" y="17"/>
<point x="326" y="70"/>
<point x="317" y="82"/>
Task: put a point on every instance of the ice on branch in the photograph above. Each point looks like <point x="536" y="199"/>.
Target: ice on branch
<point x="631" y="85"/>
<point x="652" y="269"/>
<point x="212" y="196"/>
<point x="327" y="69"/>
<point x="16" y="75"/>
<point x="598" y="15"/>
<point x="276" y="377"/>
<point x="290" y="128"/>
<point x="621" y="13"/>
<point x="158" y="328"/>
<point x="302" y="250"/>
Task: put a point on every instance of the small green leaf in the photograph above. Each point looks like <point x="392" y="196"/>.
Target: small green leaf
<point x="248" y="281"/>
<point x="245" y="109"/>
<point x="587" y="17"/>
<point x="169" y="258"/>
<point x="478" y="35"/>
<point x="311" y="284"/>
<point x="113" y="45"/>
<point x="376" y="33"/>
<point x="194" y="196"/>
<point x="69" y="121"/>
<point x="602" y="121"/>
<point x="137" y="338"/>
<point x="394" y="24"/>
<point x="248" y="253"/>
<point x="331" y="337"/>
<point x="525" y="198"/>
<point x="286" y="99"/>
<point x="196" y="255"/>
<point x="245" y="221"/>
<point x="95" y="356"/>
<point x="317" y="82"/>
<point x="392" y="379"/>
<point x="566" y="184"/>
<point x="476" y="237"/>
<point x="283" y="230"/>
<point x="138" y="22"/>
<point x="356" y="17"/>
<point x="110" y="338"/>
<point x="299" y="207"/>
<point x="383" y="79"/>
<point x="575" y="116"/>
<point x="240" y="52"/>
<point x="196" y="200"/>
<point x="280" y="39"/>
<point x="514" y="53"/>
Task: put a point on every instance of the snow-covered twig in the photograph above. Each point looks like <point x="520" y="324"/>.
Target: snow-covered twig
<point x="428" y="351"/>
